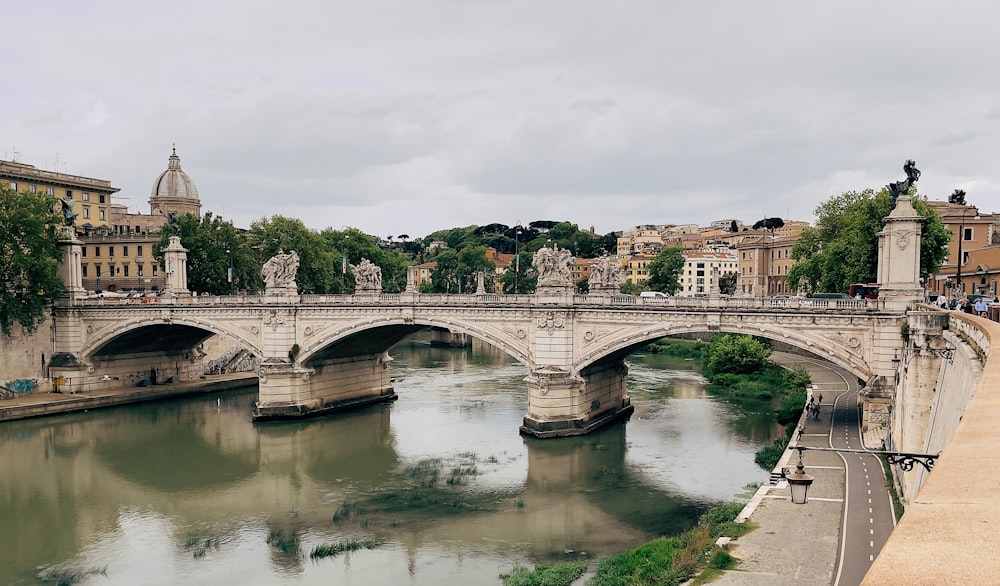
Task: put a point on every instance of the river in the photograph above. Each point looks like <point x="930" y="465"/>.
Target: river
<point x="439" y="483"/>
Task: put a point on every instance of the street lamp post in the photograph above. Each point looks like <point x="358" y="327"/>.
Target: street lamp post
<point x="959" y="261"/>
<point x="229" y="272"/>
<point x="799" y="483"/>
<point x="517" y="256"/>
<point x="343" y="265"/>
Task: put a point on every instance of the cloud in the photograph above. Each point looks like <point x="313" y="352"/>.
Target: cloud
<point x="409" y="117"/>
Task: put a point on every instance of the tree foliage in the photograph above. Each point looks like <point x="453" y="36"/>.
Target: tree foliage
<point x="727" y="282"/>
<point x="456" y="270"/>
<point x="843" y="248"/>
<point x="665" y="270"/>
<point x="769" y="224"/>
<point x="29" y="258"/>
<point x="736" y="354"/>
<point x="214" y="246"/>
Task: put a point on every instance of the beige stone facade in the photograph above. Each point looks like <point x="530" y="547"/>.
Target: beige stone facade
<point x="91" y="197"/>
<point x="764" y="262"/>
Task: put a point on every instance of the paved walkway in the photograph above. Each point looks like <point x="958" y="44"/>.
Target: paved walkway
<point x="797" y="544"/>
<point x="41" y="404"/>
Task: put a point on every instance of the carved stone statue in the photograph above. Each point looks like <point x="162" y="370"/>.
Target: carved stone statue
<point x="69" y="216"/>
<point x="367" y="277"/>
<point x="279" y="272"/>
<point x="174" y="222"/>
<point x="898" y="188"/>
<point x="553" y="268"/>
<point x="606" y="276"/>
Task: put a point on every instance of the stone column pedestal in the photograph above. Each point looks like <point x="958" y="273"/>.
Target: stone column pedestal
<point x="71" y="269"/>
<point x="175" y="261"/>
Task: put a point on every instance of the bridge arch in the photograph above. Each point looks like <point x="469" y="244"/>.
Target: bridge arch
<point x="395" y="329"/>
<point x="628" y="341"/>
<point x="133" y="327"/>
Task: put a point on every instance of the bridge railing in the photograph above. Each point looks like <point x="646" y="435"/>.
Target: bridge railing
<point x="674" y="302"/>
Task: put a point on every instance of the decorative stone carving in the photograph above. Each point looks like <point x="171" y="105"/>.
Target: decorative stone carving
<point x="279" y="274"/>
<point x="367" y="277"/>
<point x="551" y="322"/>
<point x="274" y="320"/>
<point x="606" y="276"/>
<point x="553" y="268"/>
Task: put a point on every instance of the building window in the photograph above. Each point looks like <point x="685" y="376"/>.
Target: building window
<point x="126" y="269"/>
<point x="111" y="251"/>
<point x="50" y="191"/>
<point x="13" y="186"/>
<point x="84" y="267"/>
<point x="139" y="252"/>
<point x="69" y="194"/>
<point x="86" y="212"/>
<point x="86" y="196"/>
<point x="33" y="188"/>
<point x="98" y="271"/>
<point x="101" y="213"/>
<point x="101" y="198"/>
<point x="97" y="251"/>
<point x="125" y="250"/>
<point x="967" y="234"/>
<point x="154" y="269"/>
<point x="138" y="269"/>
<point x="83" y="251"/>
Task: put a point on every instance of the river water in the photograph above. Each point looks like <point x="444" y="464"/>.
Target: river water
<point x="439" y="483"/>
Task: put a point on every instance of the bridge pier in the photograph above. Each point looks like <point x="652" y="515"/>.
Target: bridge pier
<point x="293" y="391"/>
<point x="561" y="404"/>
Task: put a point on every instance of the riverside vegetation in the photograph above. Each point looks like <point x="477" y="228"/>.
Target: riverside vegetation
<point x="737" y="368"/>
<point x="666" y="561"/>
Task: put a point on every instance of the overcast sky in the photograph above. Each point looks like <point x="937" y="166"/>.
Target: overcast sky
<point x="409" y="116"/>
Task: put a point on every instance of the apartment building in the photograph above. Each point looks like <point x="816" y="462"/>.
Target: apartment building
<point x="764" y="261"/>
<point x="91" y="197"/>
<point x="971" y="232"/>
<point x="701" y="272"/>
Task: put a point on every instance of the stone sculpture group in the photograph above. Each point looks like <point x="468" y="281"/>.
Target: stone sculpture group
<point x="280" y="270"/>
<point x="367" y="277"/>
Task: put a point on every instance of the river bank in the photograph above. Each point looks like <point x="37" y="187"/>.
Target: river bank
<point x="39" y="404"/>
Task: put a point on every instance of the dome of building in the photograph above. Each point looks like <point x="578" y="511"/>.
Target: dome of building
<point x="173" y="191"/>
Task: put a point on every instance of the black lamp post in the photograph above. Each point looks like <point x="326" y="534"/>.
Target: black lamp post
<point x="799" y="482"/>
<point x="517" y="256"/>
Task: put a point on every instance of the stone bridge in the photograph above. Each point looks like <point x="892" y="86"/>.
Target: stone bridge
<point x="320" y="353"/>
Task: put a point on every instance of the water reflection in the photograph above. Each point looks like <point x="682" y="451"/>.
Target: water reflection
<point x="192" y="492"/>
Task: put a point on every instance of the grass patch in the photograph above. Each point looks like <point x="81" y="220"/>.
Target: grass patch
<point x="670" y="561"/>
<point x="66" y="577"/>
<point x="890" y="485"/>
<point x="285" y="543"/>
<point x="334" y="549"/>
<point x="561" y="574"/>
<point x="679" y="348"/>
<point x="346" y="511"/>
<point x="769" y="456"/>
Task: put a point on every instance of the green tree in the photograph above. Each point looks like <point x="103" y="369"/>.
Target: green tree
<point x="29" y="258"/>
<point x="525" y="280"/>
<point x="736" y="354"/>
<point x="843" y="249"/>
<point x="727" y="282"/>
<point x="665" y="270"/>
<point x="317" y="262"/>
<point x="456" y="271"/>
<point x="214" y="246"/>
<point x="356" y="245"/>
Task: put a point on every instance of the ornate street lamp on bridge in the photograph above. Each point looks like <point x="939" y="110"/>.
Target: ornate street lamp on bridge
<point x="799" y="482"/>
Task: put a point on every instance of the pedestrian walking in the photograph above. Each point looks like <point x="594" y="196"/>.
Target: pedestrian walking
<point x="820" y="401"/>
